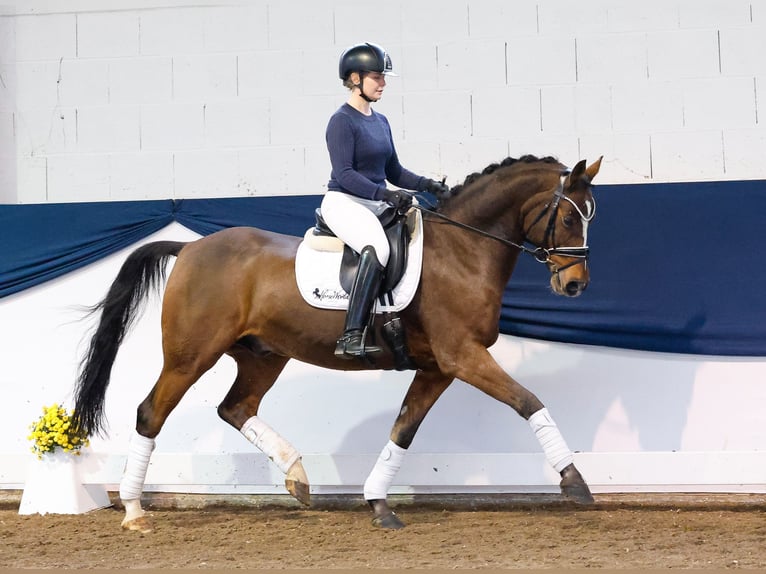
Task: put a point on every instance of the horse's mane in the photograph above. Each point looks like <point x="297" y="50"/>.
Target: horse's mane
<point x="491" y="168"/>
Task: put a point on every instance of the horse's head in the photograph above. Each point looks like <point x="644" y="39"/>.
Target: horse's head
<point x="556" y="222"/>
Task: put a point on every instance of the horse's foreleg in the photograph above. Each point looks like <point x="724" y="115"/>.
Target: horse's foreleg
<point x="486" y="375"/>
<point x="256" y="374"/>
<point x="425" y="389"/>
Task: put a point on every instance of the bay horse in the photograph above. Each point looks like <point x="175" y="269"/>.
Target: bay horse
<point x="234" y="292"/>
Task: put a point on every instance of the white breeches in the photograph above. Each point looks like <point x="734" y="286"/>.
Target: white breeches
<point x="354" y="221"/>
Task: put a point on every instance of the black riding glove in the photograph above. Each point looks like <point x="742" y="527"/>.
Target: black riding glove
<point x="397" y="198"/>
<point x="438" y="188"/>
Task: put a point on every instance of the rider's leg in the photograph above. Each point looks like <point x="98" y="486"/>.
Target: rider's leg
<point x="356" y="224"/>
<point x="363" y="293"/>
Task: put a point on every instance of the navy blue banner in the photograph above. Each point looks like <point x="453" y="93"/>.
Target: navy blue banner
<point x="674" y="267"/>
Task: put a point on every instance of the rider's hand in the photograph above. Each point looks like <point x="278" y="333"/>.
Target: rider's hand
<point x="438" y="188"/>
<point x="397" y="198"/>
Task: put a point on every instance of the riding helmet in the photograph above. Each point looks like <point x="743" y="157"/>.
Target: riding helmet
<point x="365" y="58"/>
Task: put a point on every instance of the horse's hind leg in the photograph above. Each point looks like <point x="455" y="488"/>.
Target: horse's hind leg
<point x="256" y="374"/>
<point x="152" y="413"/>
<point x="425" y="389"/>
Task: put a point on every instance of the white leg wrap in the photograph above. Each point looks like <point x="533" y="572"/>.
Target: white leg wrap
<point x="556" y="450"/>
<point x="270" y="443"/>
<point x="389" y="461"/>
<point x="139" y="453"/>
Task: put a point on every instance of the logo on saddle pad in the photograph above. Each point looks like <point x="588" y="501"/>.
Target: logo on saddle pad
<point x="324" y="284"/>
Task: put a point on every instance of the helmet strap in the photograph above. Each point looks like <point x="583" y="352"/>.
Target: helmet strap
<point x="361" y="88"/>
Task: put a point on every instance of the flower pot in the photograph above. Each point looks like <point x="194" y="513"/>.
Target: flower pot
<point x="54" y="486"/>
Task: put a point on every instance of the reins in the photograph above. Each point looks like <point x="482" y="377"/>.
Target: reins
<point x="541" y="254"/>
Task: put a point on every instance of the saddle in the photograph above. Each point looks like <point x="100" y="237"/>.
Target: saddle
<point x="397" y="228"/>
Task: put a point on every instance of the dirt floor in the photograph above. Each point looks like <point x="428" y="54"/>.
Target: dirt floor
<point x="620" y="531"/>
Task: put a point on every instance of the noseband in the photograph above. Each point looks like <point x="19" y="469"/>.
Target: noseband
<point x="541" y="254"/>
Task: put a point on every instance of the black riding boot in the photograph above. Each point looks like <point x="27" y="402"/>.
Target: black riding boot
<point x="363" y="293"/>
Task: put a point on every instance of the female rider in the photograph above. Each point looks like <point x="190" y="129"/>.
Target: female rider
<point x="363" y="158"/>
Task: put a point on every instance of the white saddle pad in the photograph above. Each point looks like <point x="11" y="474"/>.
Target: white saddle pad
<point x="317" y="267"/>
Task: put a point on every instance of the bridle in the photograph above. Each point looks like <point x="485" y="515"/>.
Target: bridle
<point x="541" y="254"/>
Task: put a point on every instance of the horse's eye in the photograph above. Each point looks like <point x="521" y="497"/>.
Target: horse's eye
<point x="567" y="220"/>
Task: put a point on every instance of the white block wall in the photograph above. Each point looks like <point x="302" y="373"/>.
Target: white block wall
<point x="159" y="99"/>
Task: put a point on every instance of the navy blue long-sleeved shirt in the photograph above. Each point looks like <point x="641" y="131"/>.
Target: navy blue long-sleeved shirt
<point x="363" y="155"/>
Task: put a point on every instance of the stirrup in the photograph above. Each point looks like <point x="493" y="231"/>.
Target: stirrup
<point x="351" y="345"/>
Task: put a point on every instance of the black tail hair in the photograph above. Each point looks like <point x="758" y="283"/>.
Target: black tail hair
<point x="142" y="272"/>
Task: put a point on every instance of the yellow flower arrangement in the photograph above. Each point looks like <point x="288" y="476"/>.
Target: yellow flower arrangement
<point x="54" y="430"/>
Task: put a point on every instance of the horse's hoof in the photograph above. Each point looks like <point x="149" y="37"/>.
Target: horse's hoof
<point x="573" y="486"/>
<point x="299" y="490"/>
<point x="389" y="521"/>
<point x="384" y="517"/>
<point x="141" y="524"/>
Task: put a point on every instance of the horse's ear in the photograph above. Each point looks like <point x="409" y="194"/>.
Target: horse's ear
<point x="593" y="168"/>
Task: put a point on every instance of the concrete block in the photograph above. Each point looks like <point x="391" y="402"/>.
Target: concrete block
<point x="36" y="84"/>
<point x="204" y="77"/>
<point x="385" y="28"/>
<point x="172" y="126"/>
<point x="173" y="31"/>
<point x="500" y="113"/>
<point x="259" y="72"/>
<point x="570" y="18"/>
<point x="434" y="21"/>
<point x="108" y="128"/>
<point x="537" y="60"/>
<point x="647" y="106"/>
<point x="419" y="68"/>
<point x="444" y="116"/>
<point x="719" y="103"/>
<point x="460" y="159"/>
<point x="43" y="131"/>
<point x="316" y="168"/>
<point x="744" y="152"/>
<point x="611" y="57"/>
<point x="273" y="170"/>
<point x="31" y="179"/>
<point x="141" y="80"/>
<point x="320" y="74"/>
<point x="690" y="155"/>
<point x="681" y="54"/>
<point x="627" y="157"/>
<point x="463" y="65"/>
<point x="237" y="28"/>
<point x="302" y="27"/>
<point x="742" y="51"/>
<point x="46" y="36"/>
<point x="592" y="108"/>
<point x="576" y="109"/>
<point x="500" y="19"/>
<point x="107" y="34"/>
<point x="206" y="173"/>
<point x="649" y="15"/>
<point x="421" y="157"/>
<point x="83" y="82"/>
<point x="243" y="122"/>
<point x="564" y="148"/>
<point x="138" y="176"/>
<point x="78" y="178"/>
<point x="8" y="87"/>
<point x="301" y="120"/>
<point x="713" y="14"/>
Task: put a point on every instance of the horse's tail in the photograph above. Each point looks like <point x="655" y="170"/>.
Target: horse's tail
<point x="143" y="271"/>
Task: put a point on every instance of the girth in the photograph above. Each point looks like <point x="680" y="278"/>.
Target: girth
<point x="397" y="230"/>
